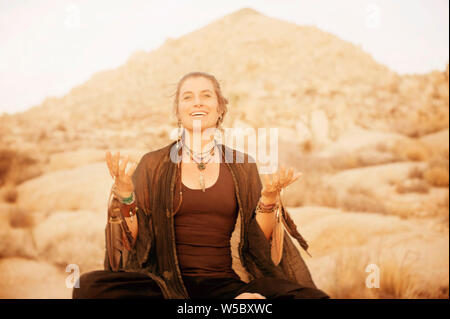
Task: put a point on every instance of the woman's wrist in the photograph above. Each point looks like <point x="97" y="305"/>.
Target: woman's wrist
<point x="266" y="200"/>
<point x="124" y="197"/>
<point x="269" y="208"/>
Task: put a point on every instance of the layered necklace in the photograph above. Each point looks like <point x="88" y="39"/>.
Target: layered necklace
<point x="201" y="159"/>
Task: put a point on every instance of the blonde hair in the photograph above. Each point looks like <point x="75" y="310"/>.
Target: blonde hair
<point x="222" y="108"/>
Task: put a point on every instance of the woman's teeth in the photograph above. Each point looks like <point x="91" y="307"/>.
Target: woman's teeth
<point x="198" y="114"/>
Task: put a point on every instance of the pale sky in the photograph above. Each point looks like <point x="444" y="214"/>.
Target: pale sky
<point x="49" y="46"/>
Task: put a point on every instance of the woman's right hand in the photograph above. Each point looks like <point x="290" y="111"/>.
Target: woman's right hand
<point x="122" y="179"/>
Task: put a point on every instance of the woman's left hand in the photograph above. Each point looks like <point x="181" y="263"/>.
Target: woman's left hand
<point x="273" y="183"/>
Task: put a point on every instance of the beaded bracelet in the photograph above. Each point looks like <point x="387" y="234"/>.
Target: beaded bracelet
<point x="266" y="209"/>
<point x="124" y="200"/>
<point x="128" y="210"/>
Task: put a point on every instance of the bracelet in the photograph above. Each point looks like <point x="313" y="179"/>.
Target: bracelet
<point x="128" y="210"/>
<point x="266" y="209"/>
<point x="124" y="200"/>
<point x="127" y="200"/>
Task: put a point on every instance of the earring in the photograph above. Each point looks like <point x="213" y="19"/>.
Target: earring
<point x="217" y="133"/>
<point x="218" y="121"/>
<point x="179" y="134"/>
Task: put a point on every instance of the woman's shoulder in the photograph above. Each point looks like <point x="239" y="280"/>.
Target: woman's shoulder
<point x="158" y="154"/>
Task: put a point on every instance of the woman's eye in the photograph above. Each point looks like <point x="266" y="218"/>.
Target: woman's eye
<point x="186" y="97"/>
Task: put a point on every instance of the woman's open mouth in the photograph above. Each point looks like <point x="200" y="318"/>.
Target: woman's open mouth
<point x="198" y="114"/>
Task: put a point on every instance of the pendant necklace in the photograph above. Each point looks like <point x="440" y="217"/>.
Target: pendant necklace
<point x="201" y="165"/>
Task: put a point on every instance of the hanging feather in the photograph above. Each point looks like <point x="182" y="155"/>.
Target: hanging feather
<point x="292" y="228"/>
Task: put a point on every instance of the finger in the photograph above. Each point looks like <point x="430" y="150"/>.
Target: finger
<point x="275" y="180"/>
<point x="295" y="178"/>
<point x="288" y="178"/>
<point x="283" y="175"/>
<point x="290" y="174"/>
<point x="116" y="163"/>
<point x="108" y="162"/>
<point x="123" y="165"/>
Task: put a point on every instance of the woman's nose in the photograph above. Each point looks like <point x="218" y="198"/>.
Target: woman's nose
<point x="197" y="101"/>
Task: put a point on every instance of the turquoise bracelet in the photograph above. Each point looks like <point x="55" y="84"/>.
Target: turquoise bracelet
<point x="128" y="200"/>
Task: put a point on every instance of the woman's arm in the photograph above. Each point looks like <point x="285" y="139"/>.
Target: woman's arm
<point x="267" y="221"/>
<point x="273" y="184"/>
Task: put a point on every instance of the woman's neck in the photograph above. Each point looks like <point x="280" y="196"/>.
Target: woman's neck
<point x="199" y="143"/>
<point x="199" y="146"/>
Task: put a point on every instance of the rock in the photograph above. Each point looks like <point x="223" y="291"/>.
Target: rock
<point x="30" y="279"/>
<point x="72" y="238"/>
<point x="85" y="187"/>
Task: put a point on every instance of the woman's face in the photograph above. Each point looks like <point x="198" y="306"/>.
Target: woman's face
<point x="197" y="95"/>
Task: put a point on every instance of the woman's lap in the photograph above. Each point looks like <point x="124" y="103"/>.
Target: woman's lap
<point x="269" y="287"/>
<point x="107" y="284"/>
<point x="103" y="284"/>
<point x="275" y="288"/>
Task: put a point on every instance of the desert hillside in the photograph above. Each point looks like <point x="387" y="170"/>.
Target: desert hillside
<point x="373" y="147"/>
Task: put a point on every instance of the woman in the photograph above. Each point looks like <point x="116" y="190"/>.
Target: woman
<point x="193" y="221"/>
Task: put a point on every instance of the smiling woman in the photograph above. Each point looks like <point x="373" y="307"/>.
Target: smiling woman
<point x="200" y="92"/>
<point x="201" y="227"/>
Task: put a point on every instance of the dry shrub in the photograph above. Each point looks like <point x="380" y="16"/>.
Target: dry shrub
<point x="413" y="185"/>
<point x="370" y="157"/>
<point x="437" y="172"/>
<point x="10" y="194"/>
<point x="72" y="238"/>
<point x="16" y="167"/>
<point x="345" y="161"/>
<point x="437" y="176"/>
<point x="307" y="146"/>
<point x="382" y="147"/>
<point x="19" y="218"/>
<point x="415" y="172"/>
<point x="438" y="209"/>
<point x="411" y="150"/>
<point x="356" y="270"/>
<point x="402" y="209"/>
<point x="361" y="199"/>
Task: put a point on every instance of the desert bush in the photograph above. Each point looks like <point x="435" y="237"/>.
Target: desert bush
<point x="437" y="172"/>
<point x="10" y="194"/>
<point x="345" y="161"/>
<point x="414" y="185"/>
<point x="16" y="167"/>
<point x="19" y="218"/>
<point x="438" y="209"/>
<point x="411" y="150"/>
<point x="437" y="176"/>
<point x="397" y="276"/>
<point x="307" y="146"/>
<point x="361" y="199"/>
<point x="415" y="172"/>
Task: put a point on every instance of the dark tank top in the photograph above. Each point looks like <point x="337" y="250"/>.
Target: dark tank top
<point x="203" y="227"/>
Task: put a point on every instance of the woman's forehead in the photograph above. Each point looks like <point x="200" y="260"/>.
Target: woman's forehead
<point x="196" y="84"/>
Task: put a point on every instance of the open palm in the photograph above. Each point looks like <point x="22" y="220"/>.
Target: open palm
<point x="122" y="178"/>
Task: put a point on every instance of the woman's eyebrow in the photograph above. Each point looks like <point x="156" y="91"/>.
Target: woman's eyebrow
<point x="207" y="90"/>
